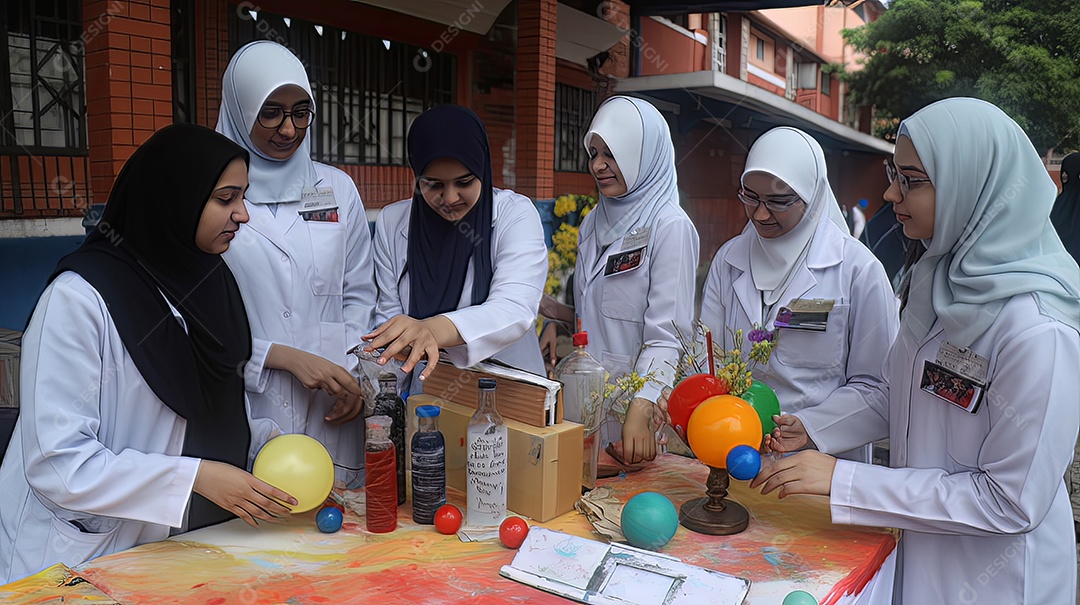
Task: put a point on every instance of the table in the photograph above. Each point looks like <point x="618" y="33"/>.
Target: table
<point x="790" y="544"/>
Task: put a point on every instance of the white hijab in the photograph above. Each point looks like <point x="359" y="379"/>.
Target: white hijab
<point x="254" y="73"/>
<point x="640" y="142"/>
<point x="797" y="159"/>
<point x="992" y="233"/>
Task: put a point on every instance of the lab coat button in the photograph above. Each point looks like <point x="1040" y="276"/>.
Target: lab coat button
<point x="286" y="315"/>
<point x="284" y="258"/>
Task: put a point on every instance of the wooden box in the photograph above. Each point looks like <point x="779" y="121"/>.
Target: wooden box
<point x="9" y="376"/>
<point x="544" y="473"/>
<point x="528" y="398"/>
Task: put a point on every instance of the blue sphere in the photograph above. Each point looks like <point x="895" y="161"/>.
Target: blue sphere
<point x="649" y="520"/>
<point x="743" y="462"/>
<point x="328" y="519"/>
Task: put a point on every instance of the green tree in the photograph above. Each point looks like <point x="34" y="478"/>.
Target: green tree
<point x="1021" y="55"/>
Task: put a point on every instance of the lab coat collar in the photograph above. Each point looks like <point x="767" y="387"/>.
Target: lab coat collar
<point x="273" y="227"/>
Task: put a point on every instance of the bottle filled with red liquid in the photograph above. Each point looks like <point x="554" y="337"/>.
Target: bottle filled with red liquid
<point x="380" y="483"/>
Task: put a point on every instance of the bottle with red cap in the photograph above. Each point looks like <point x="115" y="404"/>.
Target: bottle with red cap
<point x="583" y="380"/>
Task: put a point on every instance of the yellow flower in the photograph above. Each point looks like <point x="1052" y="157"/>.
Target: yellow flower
<point x="565" y="205"/>
<point x="586" y="210"/>
<point x="553" y="285"/>
<point x="565" y="242"/>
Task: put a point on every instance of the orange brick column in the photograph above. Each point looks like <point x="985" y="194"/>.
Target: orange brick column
<point x="535" y="113"/>
<point x="128" y="81"/>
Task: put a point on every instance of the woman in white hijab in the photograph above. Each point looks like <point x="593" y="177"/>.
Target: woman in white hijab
<point x="792" y="250"/>
<point x="304" y="267"/>
<point x="637" y="257"/>
<point x="982" y="377"/>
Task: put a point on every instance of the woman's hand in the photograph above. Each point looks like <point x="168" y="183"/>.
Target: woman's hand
<point x="549" y="340"/>
<point x="413" y="339"/>
<point x="789" y="435"/>
<point x="315" y="372"/>
<point x="241" y="493"/>
<point x="553" y="309"/>
<point x="638" y="437"/>
<point x="806" y="472"/>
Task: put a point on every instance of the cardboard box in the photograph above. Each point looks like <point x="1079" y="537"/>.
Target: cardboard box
<point x="522" y="396"/>
<point x="544" y="473"/>
<point x="9" y="376"/>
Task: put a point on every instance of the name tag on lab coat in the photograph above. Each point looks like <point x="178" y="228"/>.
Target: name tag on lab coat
<point x="318" y="205"/>
<point x="636" y="239"/>
<point x="805" y="314"/>
<point x="624" y="261"/>
<point x="958" y="376"/>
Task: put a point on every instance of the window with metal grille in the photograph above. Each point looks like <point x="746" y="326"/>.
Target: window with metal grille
<point x="574" y="108"/>
<point x="367" y="90"/>
<point x="42" y="80"/>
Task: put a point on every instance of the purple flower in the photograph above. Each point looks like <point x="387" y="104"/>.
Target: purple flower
<point x="758" y="335"/>
<point x="770" y="336"/>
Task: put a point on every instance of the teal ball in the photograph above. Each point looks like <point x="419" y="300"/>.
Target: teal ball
<point x="799" y="597"/>
<point x="649" y="520"/>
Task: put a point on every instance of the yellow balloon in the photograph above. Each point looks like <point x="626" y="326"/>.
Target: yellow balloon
<point x="298" y="465"/>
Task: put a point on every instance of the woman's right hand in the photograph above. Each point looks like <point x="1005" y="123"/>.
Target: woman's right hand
<point x="316" y="372"/>
<point x="789" y="435"/>
<point x="241" y="493"/>
<point x="549" y="340"/>
<point x="553" y="309"/>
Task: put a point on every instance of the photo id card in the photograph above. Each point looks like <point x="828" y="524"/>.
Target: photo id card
<point x="951" y="387"/>
<point x="628" y="260"/>
<point x="318" y="205"/>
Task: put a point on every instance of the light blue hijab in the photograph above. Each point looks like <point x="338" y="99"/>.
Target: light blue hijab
<point x="992" y="233"/>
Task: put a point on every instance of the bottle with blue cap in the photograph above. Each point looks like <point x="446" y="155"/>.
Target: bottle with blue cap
<point x="486" y="461"/>
<point x="428" y="465"/>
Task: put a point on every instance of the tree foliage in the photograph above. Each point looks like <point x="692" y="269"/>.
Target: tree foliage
<point x="1021" y="55"/>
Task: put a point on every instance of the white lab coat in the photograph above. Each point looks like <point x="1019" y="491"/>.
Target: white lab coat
<point x="92" y="444"/>
<point x="823" y="377"/>
<point x="503" y="326"/>
<point x="308" y="285"/>
<point x="980" y="497"/>
<point x="631" y="315"/>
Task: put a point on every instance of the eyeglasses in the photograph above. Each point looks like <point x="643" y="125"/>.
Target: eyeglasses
<point x="774" y="205"/>
<point x="273" y="117"/>
<point x="905" y="181"/>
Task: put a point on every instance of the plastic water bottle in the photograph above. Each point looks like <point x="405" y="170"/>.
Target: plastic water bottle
<point x="389" y="403"/>
<point x="486" y="461"/>
<point x="583" y="381"/>
<point x="380" y="478"/>
<point x="428" y="466"/>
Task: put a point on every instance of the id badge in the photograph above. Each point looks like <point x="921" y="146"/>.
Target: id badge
<point x="805" y="314"/>
<point x="951" y="387"/>
<point x="636" y="239"/>
<point x="624" y="261"/>
<point x="318" y="205"/>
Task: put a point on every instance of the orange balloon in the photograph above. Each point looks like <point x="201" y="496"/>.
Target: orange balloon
<point x="719" y="424"/>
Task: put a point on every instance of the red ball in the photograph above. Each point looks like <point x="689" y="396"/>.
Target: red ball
<point x="688" y="395"/>
<point x="512" y="531"/>
<point x="448" y="519"/>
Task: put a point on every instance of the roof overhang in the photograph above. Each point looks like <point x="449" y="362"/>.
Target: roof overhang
<point x="580" y="36"/>
<point x="467" y="15"/>
<point x="739" y="97"/>
<point x="663" y="7"/>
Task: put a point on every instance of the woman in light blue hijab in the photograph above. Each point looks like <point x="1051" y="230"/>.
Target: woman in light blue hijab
<point x="983" y="378"/>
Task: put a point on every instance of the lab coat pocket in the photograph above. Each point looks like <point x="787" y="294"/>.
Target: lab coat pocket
<point x="615" y="364"/>
<point x="73" y="546"/>
<point x="964" y="434"/>
<point x="327" y="257"/>
<point x="819" y="350"/>
<point x="332" y="339"/>
<point x="624" y="295"/>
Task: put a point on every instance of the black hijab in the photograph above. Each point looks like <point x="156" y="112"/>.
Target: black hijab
<point x="145" y="246"/>
<point x="440" y="250"/>
<point x="1066" y="212"/>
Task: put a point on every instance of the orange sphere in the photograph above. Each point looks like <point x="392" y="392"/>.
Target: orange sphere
<point x="719" y="424"/>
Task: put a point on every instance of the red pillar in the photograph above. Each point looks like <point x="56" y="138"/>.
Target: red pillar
<point x="535" y="99"/>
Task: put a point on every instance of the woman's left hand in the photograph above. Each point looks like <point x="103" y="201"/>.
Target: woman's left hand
<point x="638" y="437"/>
<point x="413" y="339"/>
<point x="806" y="472"/>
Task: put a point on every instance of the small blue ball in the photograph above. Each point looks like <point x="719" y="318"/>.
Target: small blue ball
<point x="649" y="520"/>
<point x="329" y="520"/>
<point x="799" y="597"/>
<point x="743" y="462"/>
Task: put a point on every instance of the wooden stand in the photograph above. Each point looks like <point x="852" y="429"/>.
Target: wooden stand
<point x="714" y="514"/>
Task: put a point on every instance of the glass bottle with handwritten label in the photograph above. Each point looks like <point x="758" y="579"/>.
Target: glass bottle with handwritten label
<point x="487" y="461"/>
<point x="389" y="403"/>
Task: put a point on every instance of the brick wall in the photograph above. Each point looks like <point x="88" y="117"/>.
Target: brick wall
<point x="128" y="83"/>
<point x="535" y="98"/>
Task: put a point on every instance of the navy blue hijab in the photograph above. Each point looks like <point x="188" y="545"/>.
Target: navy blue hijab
<point x="145" y="246"/>
<point x="440" y="250"/>
<point x="1066" y="213"/>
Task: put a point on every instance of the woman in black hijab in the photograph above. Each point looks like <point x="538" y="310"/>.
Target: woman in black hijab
<point x="462" y="265"/>
<point x="133" y="415"/>
<point x="1066" y="212"/>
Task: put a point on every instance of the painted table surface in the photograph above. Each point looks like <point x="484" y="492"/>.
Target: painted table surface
<point x="790" y="544"/>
